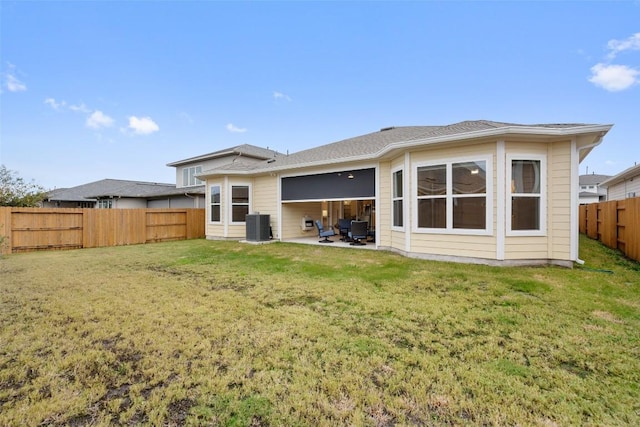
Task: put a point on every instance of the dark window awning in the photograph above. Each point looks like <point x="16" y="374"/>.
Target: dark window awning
<point x="335" y="185"/>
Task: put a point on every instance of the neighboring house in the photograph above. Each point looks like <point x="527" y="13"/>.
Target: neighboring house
<point x="116" y="193"/>
<point x="624" y="185"/>
<point x="475" y="191"/>
<point x="187" y="170"/>
<point x="590" y="189"/>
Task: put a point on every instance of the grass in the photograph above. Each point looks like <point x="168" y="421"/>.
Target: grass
<point x="222" y="333"/>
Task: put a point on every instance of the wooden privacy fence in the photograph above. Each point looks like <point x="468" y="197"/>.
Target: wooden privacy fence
<point x="616" y="224"/>
<point x="31" y="229"/>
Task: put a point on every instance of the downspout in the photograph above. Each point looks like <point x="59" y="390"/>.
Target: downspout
<point x="191" y="197"/>
<point x="575" y="194"/>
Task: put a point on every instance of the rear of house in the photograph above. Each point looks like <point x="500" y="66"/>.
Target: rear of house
<point x="479" y="191"/>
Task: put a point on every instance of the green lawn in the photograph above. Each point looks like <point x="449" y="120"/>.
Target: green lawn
<point x="221" y="333"/>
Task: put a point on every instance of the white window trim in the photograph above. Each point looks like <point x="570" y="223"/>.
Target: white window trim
<point x="214" y="184"/>
<point x="230" y="203"/>
<point x="543" y="194"/>
<point x="393" y="199"/>
<point x="448" y="162"/>
<point x="195" y="171"/>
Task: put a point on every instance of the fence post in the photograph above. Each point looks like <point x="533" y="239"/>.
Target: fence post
<point x="5" y="231"/>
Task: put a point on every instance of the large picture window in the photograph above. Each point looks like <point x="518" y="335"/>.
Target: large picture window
<point x="239" y="202"/>
<point x="398" y="200"/>
<point x="189" y="176"/>
<point x="215" y="203"/>
<point x="526" y="195"/>
<point x="453" y="196"/>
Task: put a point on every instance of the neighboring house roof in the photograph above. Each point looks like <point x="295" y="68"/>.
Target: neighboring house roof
<point x="626" y="174"/>
<point x="588" y="194"/>
<point x="593" y="179"/>
<point x="377" y="144"/>
<point x="118" y="188"/>
<point x="246" y="150"/>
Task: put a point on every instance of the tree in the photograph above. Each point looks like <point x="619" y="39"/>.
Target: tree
<point x="16" y="192"/>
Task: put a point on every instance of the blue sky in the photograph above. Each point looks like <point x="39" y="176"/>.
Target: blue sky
<point x="118" y="89"/>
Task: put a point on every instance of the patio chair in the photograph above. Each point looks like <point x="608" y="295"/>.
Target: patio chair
<point x="358" y="232"/>
<point x="344" y="226"/>
<point x="324" y="233"/>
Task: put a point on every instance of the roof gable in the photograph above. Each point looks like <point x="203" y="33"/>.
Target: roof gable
<point x="244" y="150"/>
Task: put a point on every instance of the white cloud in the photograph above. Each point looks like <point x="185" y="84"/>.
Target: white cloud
<point x="79" y="108"/>
<point x="142" y="125"/>
<point x="617" y="46"/>
<point x="232" y="128"/>
<point x="13" y="84"/>
<point x="99" y="120"/>
<point x="614" y="78"/>
<point x="55" y="104"/>
<point x="59" y="105"/>
<point x="280" y="96"/>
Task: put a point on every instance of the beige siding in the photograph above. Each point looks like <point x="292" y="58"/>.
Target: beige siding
<point x="463" y="245"/>
<point x="556" y="244"/>
<point x="560" y="198"/>
<point x="529" y="247"/>
<point x="265" y="199"/>
<point x="215" y="230"/>
<point x="383" y="211"/>
<point x="453" y="152"/>
<point x="454" y="245"/>
<point x="397" y="240"/>
<point x="292" y="215"/>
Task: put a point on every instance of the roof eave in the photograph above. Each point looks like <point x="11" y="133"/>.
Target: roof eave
<point x="600" y="130"/>
<point x="216" y="155"/>
<point x="631" y="172"/>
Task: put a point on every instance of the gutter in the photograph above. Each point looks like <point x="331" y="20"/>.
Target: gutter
<point x="586" y="147"/>
<point x="513" y="130"/>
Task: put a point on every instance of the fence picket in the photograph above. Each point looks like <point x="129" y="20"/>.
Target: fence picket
<point x="29" y="229"/>
<point x="615" y="223"/>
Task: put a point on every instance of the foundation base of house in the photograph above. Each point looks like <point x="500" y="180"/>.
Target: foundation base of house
<point x="482" y="261"/>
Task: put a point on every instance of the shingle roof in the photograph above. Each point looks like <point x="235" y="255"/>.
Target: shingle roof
<point x="626" y="174"/>
<point x="247" y="150"/>
<point x="119" y="188"/>
<point x="593" y="179"/>
<point x="370" y="145"/>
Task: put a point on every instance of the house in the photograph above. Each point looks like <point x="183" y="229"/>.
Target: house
<point x="117" y="193"/>
<point x="624" y="185"/>
<point x="188" y="191"/>
<point x="590" y="189"/>
<point x="474" y="191"/>
<point x="187" y="170"/>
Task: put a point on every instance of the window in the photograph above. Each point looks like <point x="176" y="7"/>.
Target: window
<point x="526" y="195"/>
<point x="432" y="196"/>
<point x="469" y="195"/>
<point x="239" y="202"/>
<point x="105" y="204"/>
<point x="397" y="200"/>
<point x="215" y="203"/>
<point x="453" y="196"/>
<point x="189" y="176"/>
